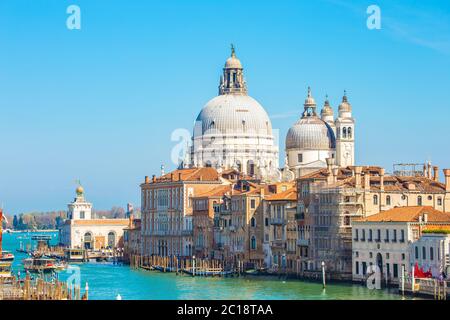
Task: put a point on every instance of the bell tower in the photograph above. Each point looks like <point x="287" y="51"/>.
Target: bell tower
<point x="232" y="81"/>
<point x="345" y="134"/>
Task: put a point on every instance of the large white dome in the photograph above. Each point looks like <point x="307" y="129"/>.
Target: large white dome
<point x="232" y="114"/>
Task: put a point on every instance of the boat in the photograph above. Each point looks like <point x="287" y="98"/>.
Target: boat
<point x="39" y="265"/>
<point x="75" y="255"/>
<point x="5" y="269"/>
<point x="6" y="256"/>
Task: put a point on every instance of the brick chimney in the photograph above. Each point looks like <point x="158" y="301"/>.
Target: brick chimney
<point x="382" y="171"/>
<point x="335" y="174"/>
<point x="146" y="180"/>
<point x="153" y="178"/>
<point x="171" y="176"/>
<point x="367" y="180"/>
<point x="436" y="173"/>
<point x="358" y="171"/>
<point x="179" y="176"/>
<point x="447" y="180"/>
<point x="429" y="170"/>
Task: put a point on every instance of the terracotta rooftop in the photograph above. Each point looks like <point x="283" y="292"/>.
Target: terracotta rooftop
<point x="290" y="195"/>
<point x="190" y="174"/>
<point x="408" y="214"/>
<point x="346" y="179"/>
<point x="216" y="192"/>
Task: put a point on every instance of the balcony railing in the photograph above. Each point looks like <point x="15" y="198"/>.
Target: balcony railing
<point x="303" y="242"/>
<point x="277" y="221"/>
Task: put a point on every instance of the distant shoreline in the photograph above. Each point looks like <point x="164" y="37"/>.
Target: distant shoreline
<point x="25" y="231"/>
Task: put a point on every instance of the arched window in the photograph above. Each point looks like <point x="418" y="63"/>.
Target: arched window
<point x="253" y="243"/>
<point x="431" y="253"/>
<point x="88" y="240"/>
<point x="416" y="249"/>
<point x="111" y="239"/>
<point x="424" y="253"/>
<point x="253" y="222"/>
<point x="208" y="164"/>
<point x="344" y="133"/>
<point x="375" y="199"/>
<point x="250" y="168"/>
<point x="388" y="200"/>
<point x="419" y="200"/>
<point x="349" y="132"/>
<point x="347" y="220"/>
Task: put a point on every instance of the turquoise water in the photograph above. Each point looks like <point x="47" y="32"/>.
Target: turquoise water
<point x="106" y="281"/>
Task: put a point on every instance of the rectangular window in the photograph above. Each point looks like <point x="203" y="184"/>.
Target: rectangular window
<point x="300" y="157"/>
<point x="402" y="235"/>
<point x="395" y="265"/>
<point x="386" y="239"/>
<point x="356" y="235"/>
<point x="378" y="235"/>
<point x="370" y="235"/>
<point x="82" y="215"/>
<point x="388" y="269"/>
<point x="356" y="267"/>
<point x="364" y="268"/>
<point x="394" y="239"/>
<point x="424" y="253"/>
<point x="253" y="203"/>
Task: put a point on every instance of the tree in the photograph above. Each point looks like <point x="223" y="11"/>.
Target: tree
<point x="15" y="222"/>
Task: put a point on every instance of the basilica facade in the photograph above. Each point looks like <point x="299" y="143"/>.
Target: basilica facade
<point x="233" y="131"/>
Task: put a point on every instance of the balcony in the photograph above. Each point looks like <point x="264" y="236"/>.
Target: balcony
<point x="277" y="221"/>
<point x="299" y="216"/>
<point x="302" y="242"/>
<point x="186" y="232"/>
<point x="278" y="244"/>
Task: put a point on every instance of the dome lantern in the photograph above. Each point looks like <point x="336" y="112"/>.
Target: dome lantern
<point x="232" y="81"/>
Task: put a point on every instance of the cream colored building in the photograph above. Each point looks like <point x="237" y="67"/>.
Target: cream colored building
<point x="387" y="239"/>
<point x="167" y="208"/>
<point x="80" y="230"/>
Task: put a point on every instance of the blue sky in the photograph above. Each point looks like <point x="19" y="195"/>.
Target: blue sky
<point x="99" y="104"/>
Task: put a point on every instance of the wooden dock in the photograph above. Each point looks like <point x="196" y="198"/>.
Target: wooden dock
<point x="27" y="289"/>
<point x="189" y="266"/>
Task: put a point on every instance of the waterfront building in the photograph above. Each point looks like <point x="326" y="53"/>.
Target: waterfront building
<point x="132" y="238"/>
<point x="233" y="131"/>
<point x="330" y="199"/>
<point x="313" y="139"/>
<point x="166" y="201"/>
<point x="205" y="206"/>
<point x="385" y="240"/>
<point x="280" y="233"/>
<point x="431" y="252"/>
<point x="239" y="221"/>
<point x="81" y="230"/>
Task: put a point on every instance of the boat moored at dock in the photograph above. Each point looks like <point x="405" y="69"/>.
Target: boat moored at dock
<point x="39" y="265"/>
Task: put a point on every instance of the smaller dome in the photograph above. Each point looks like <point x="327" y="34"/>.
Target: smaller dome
<point x="79" y="190"/>
<point x="345" y="106"/>
<point x="310" y="133"/>
<point x="233" y="63"/>
<point x="326" y="110"/>
<point x="309" y="101"/>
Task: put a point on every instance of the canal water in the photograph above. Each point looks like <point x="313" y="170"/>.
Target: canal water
<point x="107" y="280"/>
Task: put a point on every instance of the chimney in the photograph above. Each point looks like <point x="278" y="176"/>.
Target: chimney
<point x="171" y="176"/>
<point x="382" y="171"/>
<point x="429" y="170"/>
<point x="179" y="176"/>
<point x="153" y="178"/>
<point x="447" y="180"/>
<point x="329" y="165"/>
<point x="146" y="180"/>
<point x="262" y="193"/>
<point x="358" y="171"/>
<point x="436" y="173"/>
<point x="367" y="180"/>
<point x="335" y="174"/>
<point x="425" y="217"/>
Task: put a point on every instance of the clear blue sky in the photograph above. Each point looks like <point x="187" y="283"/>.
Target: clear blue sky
<point x="99" y="104"/>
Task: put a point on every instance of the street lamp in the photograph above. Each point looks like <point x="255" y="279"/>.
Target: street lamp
<point x="323" y="274"/>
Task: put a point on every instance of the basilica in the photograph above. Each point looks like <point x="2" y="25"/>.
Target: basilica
<point x="233" y="131"/>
